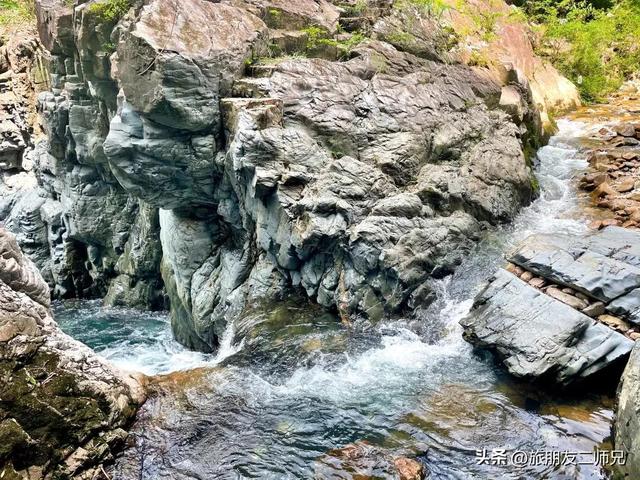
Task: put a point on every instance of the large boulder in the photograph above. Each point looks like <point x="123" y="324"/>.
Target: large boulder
<point x="571" y="313"/>
<point x="63" y="410"/>
<point x="538" y="337"/>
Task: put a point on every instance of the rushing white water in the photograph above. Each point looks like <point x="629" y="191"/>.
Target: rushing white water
<point x="278" y="402"/>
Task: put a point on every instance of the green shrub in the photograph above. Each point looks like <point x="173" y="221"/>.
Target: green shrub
<point x="109" y="11"/>
<point x="594" y="43"/>
<point x="13" y="12"/>
<point x="318" y="37"/>
<point x="429" y="7"/>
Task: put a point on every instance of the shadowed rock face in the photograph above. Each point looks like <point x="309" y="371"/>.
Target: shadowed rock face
<point x="62" y="409"/>
<point x="172" y="150"/>
<point x="627" y="425"/>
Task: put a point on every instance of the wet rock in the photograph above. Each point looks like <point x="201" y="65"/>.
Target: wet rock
<point x="365" y="460"/>
<point x="62" y="408"/>
<point x="538" y="337"/>
<point x="627" y="423"/>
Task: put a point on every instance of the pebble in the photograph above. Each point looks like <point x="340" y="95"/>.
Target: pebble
<point x="526" y="276"/>
<point x="627" y="185"/>
<point x="594" y="310"/>
<point x="615" y="322"/>
<point x="537" y="282"/>
<point x="566" y="298"/>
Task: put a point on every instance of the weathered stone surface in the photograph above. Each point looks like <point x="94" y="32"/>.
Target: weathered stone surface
<point x="540" y="338"/>
<point x="70" y="215"/>
<point x="62" y="408"/>
<point x="628" y="306"/>
<point x="627" y="423"/>
<point x="604" y="265"/>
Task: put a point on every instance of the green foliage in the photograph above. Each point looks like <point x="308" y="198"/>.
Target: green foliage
<point x="109" y="11"/>
<point x="479" y="58"/>
<point x="317" y="38"/>
<point x="429" y="7"/>
<point x="594" y="43"/>
<point x="15" y="12"/>
<point x="357" y="9"/>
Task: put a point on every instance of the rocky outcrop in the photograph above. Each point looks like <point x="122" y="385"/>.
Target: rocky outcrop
<point x="613" y="179"/>
<point x="246" y="148"/>
<point x="494" y="39"/>
<point x="71" y="217"/>
<point x="627" y="424"/>
<point x="497" y="36"/>
<point x="62" y="409"/>
<point x="571" y="313"/>
<point x="22" y="74"/>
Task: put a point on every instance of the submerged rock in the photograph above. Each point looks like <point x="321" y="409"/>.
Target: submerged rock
<point x="62" y="408"/>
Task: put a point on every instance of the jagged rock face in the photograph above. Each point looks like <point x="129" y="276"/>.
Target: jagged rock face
<point x="62" y="409"/>
<point x="538" y="337"/>
<point x="355" y="181"/>
<point x="557" y="321"/>
<point x="627" y="424"/>
<point x="73" y="219"/>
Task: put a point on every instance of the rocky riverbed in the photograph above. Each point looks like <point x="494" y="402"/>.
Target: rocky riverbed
<point x="315" y="397"/>
<point x="315" y="190"/>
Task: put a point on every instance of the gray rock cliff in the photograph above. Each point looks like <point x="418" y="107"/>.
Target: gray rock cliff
<point x="243" y="149"/>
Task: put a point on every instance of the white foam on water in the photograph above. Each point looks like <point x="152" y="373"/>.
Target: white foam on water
<point x="164" y="355"/>
<point x="403" y="355"/>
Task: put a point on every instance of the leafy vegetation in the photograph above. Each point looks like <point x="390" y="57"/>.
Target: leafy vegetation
<point x="429" y="7"/>
<point x="109" y="11"/>
<point x="14" y="12"/>
<point x="318" y="38"/>
<point x="594" y="43"/>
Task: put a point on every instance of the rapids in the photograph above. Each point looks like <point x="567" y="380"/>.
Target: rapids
<point x="292" y="387"/>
